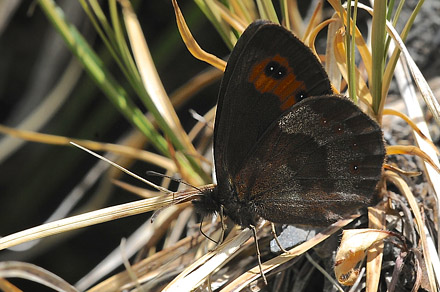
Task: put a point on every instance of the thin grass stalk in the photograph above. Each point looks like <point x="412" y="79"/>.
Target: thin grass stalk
<point x="267" y="11"/>
<point x="285" y="13"/>
<point x="111" y="88"/>
<point x="391" y="66"/>
<point x="225" y="32"/>
<point x="97" y="71"/>
<point x="352" y="60"/>
<point x="350" y="45"/>
<point x="378" y="47"/>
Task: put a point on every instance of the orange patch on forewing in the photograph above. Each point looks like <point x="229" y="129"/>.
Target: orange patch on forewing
<point x="284" y="88"/>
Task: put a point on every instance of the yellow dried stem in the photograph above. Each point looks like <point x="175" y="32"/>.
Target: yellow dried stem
<point x="191" y="43"/>
<point x="253" y="274"/>
<point x="359" y="40"/>
<point x="411" y="150"/>
<point x="421" y="228"/>
<point x="122" y="150"/>
<point x="314" y="20"/>
<point x="234" y="20"/>
<point x="416" y="129"/>
<point x="376" y="220"/>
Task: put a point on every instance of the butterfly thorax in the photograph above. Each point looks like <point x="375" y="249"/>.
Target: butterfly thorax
<point x="226" y="198"/>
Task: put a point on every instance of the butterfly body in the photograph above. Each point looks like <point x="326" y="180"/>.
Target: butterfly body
<point x="286" y="148"/>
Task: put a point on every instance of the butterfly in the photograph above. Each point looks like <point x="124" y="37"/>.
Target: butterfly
<point x="286" y="147"/>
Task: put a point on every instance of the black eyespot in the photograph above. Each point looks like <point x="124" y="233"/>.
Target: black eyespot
<point x="354" y="168"/>
<point x="301" y="95"/>
<point x="338" y="129"/>
<point x="275" y="70"/>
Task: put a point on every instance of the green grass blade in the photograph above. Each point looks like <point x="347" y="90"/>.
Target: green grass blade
<point x="97" y="71"/>
<point x="378" y="47"/>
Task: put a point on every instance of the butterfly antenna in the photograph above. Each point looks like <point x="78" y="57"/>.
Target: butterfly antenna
<point x="254" y="230"/>
<point x="154" y="173"/>
<point x="157" y="187"/>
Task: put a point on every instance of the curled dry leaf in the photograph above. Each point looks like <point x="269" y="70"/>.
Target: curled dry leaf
<point x="354" y="245"/>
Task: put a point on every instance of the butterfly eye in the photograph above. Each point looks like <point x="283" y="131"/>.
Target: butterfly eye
<point x="275" y="70"/>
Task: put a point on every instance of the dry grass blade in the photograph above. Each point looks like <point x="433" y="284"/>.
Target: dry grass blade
<point x="268" y="266"/>
<point x="324" y="272"/>
<point x="191" y="43"/>
<point x="150" y="77"/>
<point x="432" y="172"/>
<point x="209" y="116"/>
<point x="331" y="66"/>
<point x="295" y="21"/>
<point x="236" y="22"/>
<point x="45" y="110"/>
<point x="5" y="285"/>
<point x="362" y="90"/>
<point x="413" y="125"/>
<point x="36" y="274"/>
<point x="90" y="218"/>
<point x="412" y="150"/>
<point x="140" y="191"/>
<point x="168" y="259"/>
<point x="126" y="151"/>
<point x="246" y="10"/>
<point x="354" y="245"/>
<point x="194" y="85"/>
<point x="146" y="235"/>
<point x="311" y="37"/>
<point x="401" y="171"/>
<point x="422" y="84"/>
<point x="359" y="40"/>
<point x="421" y="228"/>
<point x="314" y="20"/>
<point x="200" y="270"/>
<point x="376" y="220"/>
<point x="415" y="112"/>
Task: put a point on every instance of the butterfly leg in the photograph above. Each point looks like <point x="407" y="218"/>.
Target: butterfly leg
<point x="222" y="221"/>
<point x="276" y="238"/>
<point x="254" y="230"/>
<point x="205" y="235"/>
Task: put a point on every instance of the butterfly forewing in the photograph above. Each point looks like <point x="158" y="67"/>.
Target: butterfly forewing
<point x="269" y="70"/>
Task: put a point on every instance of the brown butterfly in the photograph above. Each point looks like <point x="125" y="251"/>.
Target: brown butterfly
<point x="286" y="148"/>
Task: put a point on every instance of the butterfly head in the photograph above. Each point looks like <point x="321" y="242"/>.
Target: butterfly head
<point x="216" y="200"/>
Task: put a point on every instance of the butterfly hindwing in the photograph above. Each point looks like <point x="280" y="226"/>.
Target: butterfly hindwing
<point x="322" y="157"/>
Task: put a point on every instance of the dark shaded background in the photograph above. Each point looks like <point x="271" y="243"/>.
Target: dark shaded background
<point x="36" y="178"/>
